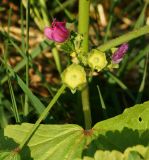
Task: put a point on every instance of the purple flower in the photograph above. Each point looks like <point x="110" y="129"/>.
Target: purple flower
<point x="57" y="32"/>
<point x="119" y="53"/>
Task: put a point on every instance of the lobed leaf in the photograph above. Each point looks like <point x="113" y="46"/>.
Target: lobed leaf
<point x="109" y="138"/>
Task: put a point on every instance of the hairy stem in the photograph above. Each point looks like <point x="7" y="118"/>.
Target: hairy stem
<point x="83" y="29"/>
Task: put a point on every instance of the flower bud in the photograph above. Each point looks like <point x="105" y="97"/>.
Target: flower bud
<point x="119" y="53"/>
<point x="74" y="76"/>
<point x="97" y="60"/>
<point x="57" y="32"/>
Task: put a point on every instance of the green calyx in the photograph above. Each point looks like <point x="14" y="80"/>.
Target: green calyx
<point x="74" y="76"/>
<point x="111" y="66"/>
<point x="97" y="60"/>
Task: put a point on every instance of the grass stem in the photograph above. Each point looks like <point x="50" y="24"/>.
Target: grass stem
<point x="26" y="106"/>
<point x="124" y="38"/>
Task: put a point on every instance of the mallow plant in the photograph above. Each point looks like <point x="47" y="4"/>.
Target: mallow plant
<point x="124" y="137"/>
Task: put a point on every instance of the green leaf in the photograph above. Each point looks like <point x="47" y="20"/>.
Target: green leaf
<point x="107" y="155"/>
<point x="4" y="155"/>
<point x="35" y="101"/>
<point x="134" y="156"/>
<point x="50" y="141"/>
<point x="123" y="131"/>
<point x="9" y="156"/>
<point x="135" y="118"/>
<point x="38" y="105"/>
<point x="71" y="142"/>
<point x="136" y="153"/>
<point x="133" y="153"/>
<point x="141" y="19"/>
<point x="87" y="158"/>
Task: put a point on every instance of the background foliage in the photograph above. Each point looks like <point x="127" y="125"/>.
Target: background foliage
<point x="30" y="68"/>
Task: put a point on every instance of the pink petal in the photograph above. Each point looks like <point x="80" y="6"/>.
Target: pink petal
<point x="57" y="32"/>
<point x="60" y="34"/>
<point x="48" y="32"/>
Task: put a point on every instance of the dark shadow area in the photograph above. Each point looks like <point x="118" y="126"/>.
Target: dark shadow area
<point x="8" y="144"/>
<point x="113" y="97"/>
<point x="117" y="140"/>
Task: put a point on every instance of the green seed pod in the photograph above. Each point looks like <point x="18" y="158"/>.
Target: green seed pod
<point x="74" y="76"/>
<point x="97" y="60"/>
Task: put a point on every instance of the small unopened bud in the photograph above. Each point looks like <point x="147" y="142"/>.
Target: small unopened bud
<point x="97" y="60"/>
<point x="73" y="54"/>
<point x="119" y="53"/>
<point x="74" y="76"/>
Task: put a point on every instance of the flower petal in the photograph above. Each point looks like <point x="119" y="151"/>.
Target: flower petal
<point x="57" y="32"/>
<point x="48" y="32"/>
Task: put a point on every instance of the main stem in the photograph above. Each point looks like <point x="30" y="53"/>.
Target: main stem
<point x="83" y="29"/>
